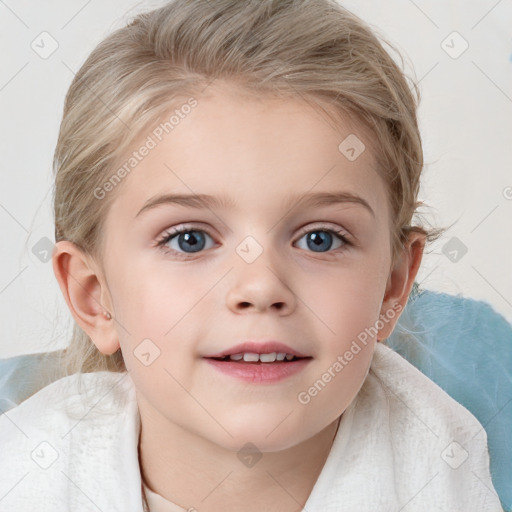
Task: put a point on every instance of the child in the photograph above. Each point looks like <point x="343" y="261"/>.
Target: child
<point x="248" y="371"/>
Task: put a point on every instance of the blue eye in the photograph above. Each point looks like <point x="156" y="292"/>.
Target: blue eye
<point x="187" y="240"/>
<point x="321" y="240"/>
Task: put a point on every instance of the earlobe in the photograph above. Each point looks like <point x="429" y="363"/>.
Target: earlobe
<point x="84" y="291"/>
<point x="400" y="282"/>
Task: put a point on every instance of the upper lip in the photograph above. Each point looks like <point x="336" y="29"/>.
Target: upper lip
<point x="258" y="347"/>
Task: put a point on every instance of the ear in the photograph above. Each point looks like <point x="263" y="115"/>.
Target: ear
<point x="86" y="294"/>
<point x="400" y="282"/>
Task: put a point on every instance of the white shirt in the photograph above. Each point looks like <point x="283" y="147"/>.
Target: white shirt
<point x="402" y="445"/>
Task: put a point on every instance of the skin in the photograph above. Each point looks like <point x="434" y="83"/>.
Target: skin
<point x="258" y="152"/>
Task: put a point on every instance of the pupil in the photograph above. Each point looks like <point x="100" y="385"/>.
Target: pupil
<point x="195" y="240"/>
<point x="319" y="240"/>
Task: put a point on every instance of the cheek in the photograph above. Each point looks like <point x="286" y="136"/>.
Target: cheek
<point x="345" y="301"/>
<point x="157" y="310"/>
<point x="148" y="300"/>
<point x="340" y="376"/>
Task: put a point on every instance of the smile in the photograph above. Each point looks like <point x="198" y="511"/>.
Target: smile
<point x="255" y="368"/>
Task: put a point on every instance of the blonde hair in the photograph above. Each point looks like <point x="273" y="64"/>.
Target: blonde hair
<point x="314" y="49"/>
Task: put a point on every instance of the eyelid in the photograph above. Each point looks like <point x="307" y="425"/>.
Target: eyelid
<point x="312" y="226"/>
<point x="179" y="228"/>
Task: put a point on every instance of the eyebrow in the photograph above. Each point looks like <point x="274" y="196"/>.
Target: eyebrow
<point x="201" y="201"/>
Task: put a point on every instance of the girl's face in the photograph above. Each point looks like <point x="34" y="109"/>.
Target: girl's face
<point x="263" y="259"/>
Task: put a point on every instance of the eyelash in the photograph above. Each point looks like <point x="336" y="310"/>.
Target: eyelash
<point x="168" y="236"/>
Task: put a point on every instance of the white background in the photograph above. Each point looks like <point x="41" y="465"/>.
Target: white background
<point x="465" y="118"/>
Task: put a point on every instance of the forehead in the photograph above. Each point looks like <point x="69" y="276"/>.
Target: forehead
<point x="254" y="149"/>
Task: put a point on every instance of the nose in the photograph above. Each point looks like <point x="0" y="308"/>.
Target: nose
<point x="258" y="287"/>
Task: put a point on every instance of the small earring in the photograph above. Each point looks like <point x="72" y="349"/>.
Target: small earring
<point x="108" y="316"/>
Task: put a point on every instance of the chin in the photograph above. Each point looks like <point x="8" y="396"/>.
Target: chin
<point x="250" y="444"/>
<point x="271" y="434"/>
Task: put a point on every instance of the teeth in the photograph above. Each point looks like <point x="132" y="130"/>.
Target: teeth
<point x="268" y="358"/>
<point x="252" y="357"/>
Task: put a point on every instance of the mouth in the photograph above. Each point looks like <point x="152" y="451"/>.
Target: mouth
<point x="259" y="363"/>
<point x="255" y="358"/>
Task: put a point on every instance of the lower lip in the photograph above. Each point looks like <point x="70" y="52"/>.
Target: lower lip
<point x="259" y="373"/>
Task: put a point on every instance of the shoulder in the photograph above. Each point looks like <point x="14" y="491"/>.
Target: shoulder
<point x="65" y="438"/>
<point x="70" y="397"/>
<point x="404" y="444"/>
<point x="405" y="385"/>
<point x="435" y="441"/>
<point x="416" y="404"/>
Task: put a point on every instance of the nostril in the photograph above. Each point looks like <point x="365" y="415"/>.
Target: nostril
<point x="276" y="305"/>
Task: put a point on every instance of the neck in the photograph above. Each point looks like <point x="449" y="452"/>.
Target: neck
<point x="194" y="473"/>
